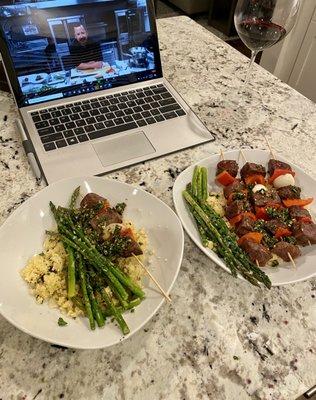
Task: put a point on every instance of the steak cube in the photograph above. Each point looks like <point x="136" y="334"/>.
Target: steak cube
<point x="252" y="169"/>
<point x="230" y="166"/>
<point x="270" y="197"/>
<point x="283" y="249"/>
<point x="246" y="225"/>
<point x="132" y="247"/>
<point x="276" y="164"/>
<point x="289" y="192"/>
<point x="304" y="233"/>
<point x="104" y="217"/>
<point x="92" y="199"/>
<point x="236" y="186"/>
<point x="237" y="207"/>
<point x="256" y="252"/>
<point x="299" y="212"/>
<point x="274" y="224"/>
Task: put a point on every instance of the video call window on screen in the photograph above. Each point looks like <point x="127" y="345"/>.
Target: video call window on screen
<point x="59" y="46"/>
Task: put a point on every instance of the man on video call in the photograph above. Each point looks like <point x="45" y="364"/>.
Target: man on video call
<point x="85" y="53"/>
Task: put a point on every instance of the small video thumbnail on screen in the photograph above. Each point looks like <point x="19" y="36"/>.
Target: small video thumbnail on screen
<point x="62" y="46"/>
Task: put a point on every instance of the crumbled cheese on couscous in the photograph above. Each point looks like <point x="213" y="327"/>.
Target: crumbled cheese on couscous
<point x="218" y="202"/>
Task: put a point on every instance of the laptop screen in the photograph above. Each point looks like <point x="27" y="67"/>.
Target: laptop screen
<point x="61" y="48"/>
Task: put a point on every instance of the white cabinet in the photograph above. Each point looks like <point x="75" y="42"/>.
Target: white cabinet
<point x="293" y="60"/>
<point x="303" y="76"/>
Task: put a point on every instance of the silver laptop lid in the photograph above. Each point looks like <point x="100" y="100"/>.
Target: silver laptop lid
<point x="63" y="48"/>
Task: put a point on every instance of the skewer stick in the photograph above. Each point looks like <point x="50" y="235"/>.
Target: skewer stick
<point x="153" y="279"/>
<point x="270" y="148"/>
<point x="309" y="243"/>
<point x="243" y="155"/>
<point x="222" y="155"/>
<point x="257" y="263"/>
<point x="292" y="261"/>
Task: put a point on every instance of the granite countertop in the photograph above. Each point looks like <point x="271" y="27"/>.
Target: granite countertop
<point x="220" y="338"/>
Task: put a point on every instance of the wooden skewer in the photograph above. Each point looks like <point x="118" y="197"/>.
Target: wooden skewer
<point x="153" y="279"/>
<point x="270" y="148"/>
<point x="222" y="155"/>
<point x="309" y="243"/>
<point x="243" y="155"/>
<point x="257" y="262"/>
<point x="292" y="261"/>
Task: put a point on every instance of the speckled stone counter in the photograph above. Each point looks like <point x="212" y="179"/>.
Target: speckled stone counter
<point x="220" y="338"/>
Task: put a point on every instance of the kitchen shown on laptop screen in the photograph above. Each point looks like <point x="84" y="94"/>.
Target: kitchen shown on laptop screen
<point x="69" y="47"/>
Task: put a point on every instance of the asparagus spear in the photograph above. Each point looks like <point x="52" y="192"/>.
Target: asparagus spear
<point x="204" y="183"/>
<point x="84" y="291"/>
<point x="71" y="273"/>
<point x="231" y="242"/>
<point x="74" y="198"/>
<point x="96" y="310"/>
<point x="75" y="239"/>
<point x="194" y="180"/>
<point x="93" y="257"/>
<point x="124" y="279"/>
<point x="132" y="304"/>
<point x="113" y="310"/>
<point x="222" y="250"/>
<point x="234" y="258"/>
<point x="199" y="185"/>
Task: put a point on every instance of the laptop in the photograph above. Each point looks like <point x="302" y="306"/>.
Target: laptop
<point x="87" y="80"/>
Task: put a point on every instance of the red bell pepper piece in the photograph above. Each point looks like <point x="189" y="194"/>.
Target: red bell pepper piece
<point x="279" y="172"/>
<point x="253" y="179"/>
<point x="225" y="178"/>
<point x="305" y="219"/>
<point x="261" y="213"/>
<point x="234" y="221"/>
<point x="297" y="202"/>
<point x="252" y="236"/>
<point x="281" y="232"/>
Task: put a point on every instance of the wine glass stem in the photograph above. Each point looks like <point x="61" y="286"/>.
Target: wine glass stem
<point x="252" y="60"/>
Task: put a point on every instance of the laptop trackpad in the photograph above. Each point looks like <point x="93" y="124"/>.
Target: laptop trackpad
<point x="123" y="148"/>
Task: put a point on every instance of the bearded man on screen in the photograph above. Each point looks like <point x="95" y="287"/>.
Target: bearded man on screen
<point x="86" y="53"/>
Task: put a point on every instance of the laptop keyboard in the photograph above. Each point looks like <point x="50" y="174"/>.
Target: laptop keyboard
<point x="92" y="119"/>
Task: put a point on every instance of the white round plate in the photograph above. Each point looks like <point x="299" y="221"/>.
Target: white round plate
<point x="285" y="273"/>
<point x="22" y="234"/>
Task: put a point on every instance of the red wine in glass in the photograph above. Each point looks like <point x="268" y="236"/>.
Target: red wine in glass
<point x="258" y="34"/>
<point x="263" y="23"/>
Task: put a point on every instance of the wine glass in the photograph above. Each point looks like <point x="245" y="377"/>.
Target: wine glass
<point x="263" y="23"/>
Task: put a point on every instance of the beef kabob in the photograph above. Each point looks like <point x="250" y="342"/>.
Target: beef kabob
<point x="282" y="177"/>
<point x="239" y="210"/>
<point x="251" y="210"/>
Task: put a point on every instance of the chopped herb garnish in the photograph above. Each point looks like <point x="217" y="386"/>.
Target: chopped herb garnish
<point x="269" y="241"/>
<point x="274" y="263"/>
<point x="259" y="226"/>
<point x="280" y="214"/>
<point x="290" y="239"/>
<point x="239" y="196"/>
<point x="295" y="190"/>
<point x="120" y="207"/>
<point x="61" y="322"/>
